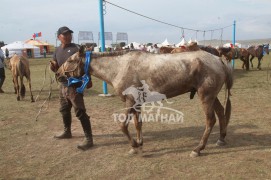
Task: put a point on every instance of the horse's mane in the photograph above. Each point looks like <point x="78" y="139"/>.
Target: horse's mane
<point x="225" y="49"/>
<point x="114" y="53"/>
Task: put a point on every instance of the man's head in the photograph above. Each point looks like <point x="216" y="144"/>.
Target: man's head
<point x="64" y="35"/>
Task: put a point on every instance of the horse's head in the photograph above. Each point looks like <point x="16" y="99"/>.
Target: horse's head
<point x="73" y="67"/>
<point x="224" y="51"/>
<point x="266" y="48"/>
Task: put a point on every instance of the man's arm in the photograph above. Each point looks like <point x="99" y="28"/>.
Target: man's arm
<point x="53" y="64"/>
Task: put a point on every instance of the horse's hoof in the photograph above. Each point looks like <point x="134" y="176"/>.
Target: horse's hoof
<point x="194" y="154"/>
<point x="220" y="143"/>
<point x="134" y="151"/>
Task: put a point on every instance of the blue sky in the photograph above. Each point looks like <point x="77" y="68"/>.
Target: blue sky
<point x="20" y="19"/>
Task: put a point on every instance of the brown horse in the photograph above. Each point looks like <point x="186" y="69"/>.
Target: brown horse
<point x="191" y="47"/>
<point x="210" y="50"/>
<point x="165" y="50"/>
<point x="235" y="53"/>
<point x="168" y="74"/>
<point x="19" y="67"/>
<point x="258" y="51"/>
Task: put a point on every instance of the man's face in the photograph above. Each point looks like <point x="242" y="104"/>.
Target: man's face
<point x="65" y="38"/>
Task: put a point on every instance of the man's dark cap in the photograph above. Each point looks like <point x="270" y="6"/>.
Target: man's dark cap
<point x="63" y="30"/>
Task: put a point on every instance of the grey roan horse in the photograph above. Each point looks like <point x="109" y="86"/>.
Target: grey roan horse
<point x="169" y="74"/>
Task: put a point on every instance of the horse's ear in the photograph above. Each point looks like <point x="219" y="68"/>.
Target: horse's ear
<point x="82" y="51"/>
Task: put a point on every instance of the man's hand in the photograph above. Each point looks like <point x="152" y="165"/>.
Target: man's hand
<point x="53" y="66"/>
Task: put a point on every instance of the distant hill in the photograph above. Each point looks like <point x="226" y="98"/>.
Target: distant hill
<point x="244" y="43"/>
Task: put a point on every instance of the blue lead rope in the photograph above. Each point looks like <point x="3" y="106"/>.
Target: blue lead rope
<point x="85" y="78"/>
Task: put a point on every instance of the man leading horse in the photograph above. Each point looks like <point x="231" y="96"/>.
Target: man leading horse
<point x="68" y="96"/>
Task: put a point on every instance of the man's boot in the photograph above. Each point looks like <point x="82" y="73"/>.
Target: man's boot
<point x="67" y="120"/>
<point x="88" y="141"/>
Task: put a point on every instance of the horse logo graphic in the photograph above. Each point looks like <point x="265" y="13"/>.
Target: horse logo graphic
<point x="142" y="96"/>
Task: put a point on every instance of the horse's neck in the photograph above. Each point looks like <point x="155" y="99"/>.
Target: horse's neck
<point x="104" y="68"/>
<point x="252" y="50"/>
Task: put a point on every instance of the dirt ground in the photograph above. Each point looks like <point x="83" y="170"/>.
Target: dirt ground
<point x="29" y="151"/>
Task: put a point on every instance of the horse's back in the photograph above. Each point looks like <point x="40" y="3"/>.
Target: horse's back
<point x="186" y="70"/>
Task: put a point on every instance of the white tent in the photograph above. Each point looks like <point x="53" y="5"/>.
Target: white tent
<point x="165" y="43"/>
<point x="182" y="43"/>
<point x="24" y="49"/>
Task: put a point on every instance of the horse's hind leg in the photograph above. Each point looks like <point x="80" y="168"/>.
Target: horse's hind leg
<point x="246" y="58"/>
<point x="16" y="87"/>
<point x="259" y="63"/>
<point x="22" y="88"/>
<point x="208" y="107"/>
<point x="245" y="63"/>
<point x="219" y="110"/>
<point x="251" y="61"/>
<point x="29" y="85"/>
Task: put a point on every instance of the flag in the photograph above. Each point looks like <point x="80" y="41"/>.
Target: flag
<point x="36" y="35"/>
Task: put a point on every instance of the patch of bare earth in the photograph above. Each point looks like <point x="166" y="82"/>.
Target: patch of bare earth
<point x="28" y="149"/>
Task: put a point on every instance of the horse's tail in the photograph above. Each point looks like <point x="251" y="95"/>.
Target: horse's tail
<point x="228" y="84"/>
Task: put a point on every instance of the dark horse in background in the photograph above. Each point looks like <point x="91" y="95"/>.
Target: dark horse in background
<point x="19" y="67"/>
<point x="258" y="51"/>
<point x="210" y="49"/>
<point x="235" y="53"/>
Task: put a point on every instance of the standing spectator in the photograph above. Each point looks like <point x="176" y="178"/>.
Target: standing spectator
<point x="2" y="70"/>
<point x="67" y="95"/>
<point x="7" y="53"/>
<point x="151" y="49"/>
<point x="132" y="46"/>
<point x="44" y="53"/>
<point x="155" y="49"/>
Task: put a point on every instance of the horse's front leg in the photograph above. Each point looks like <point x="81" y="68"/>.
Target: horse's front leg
<point x="138" y="125"/>
<point x="246" y="61"/>
<point x="124" y="125"/>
